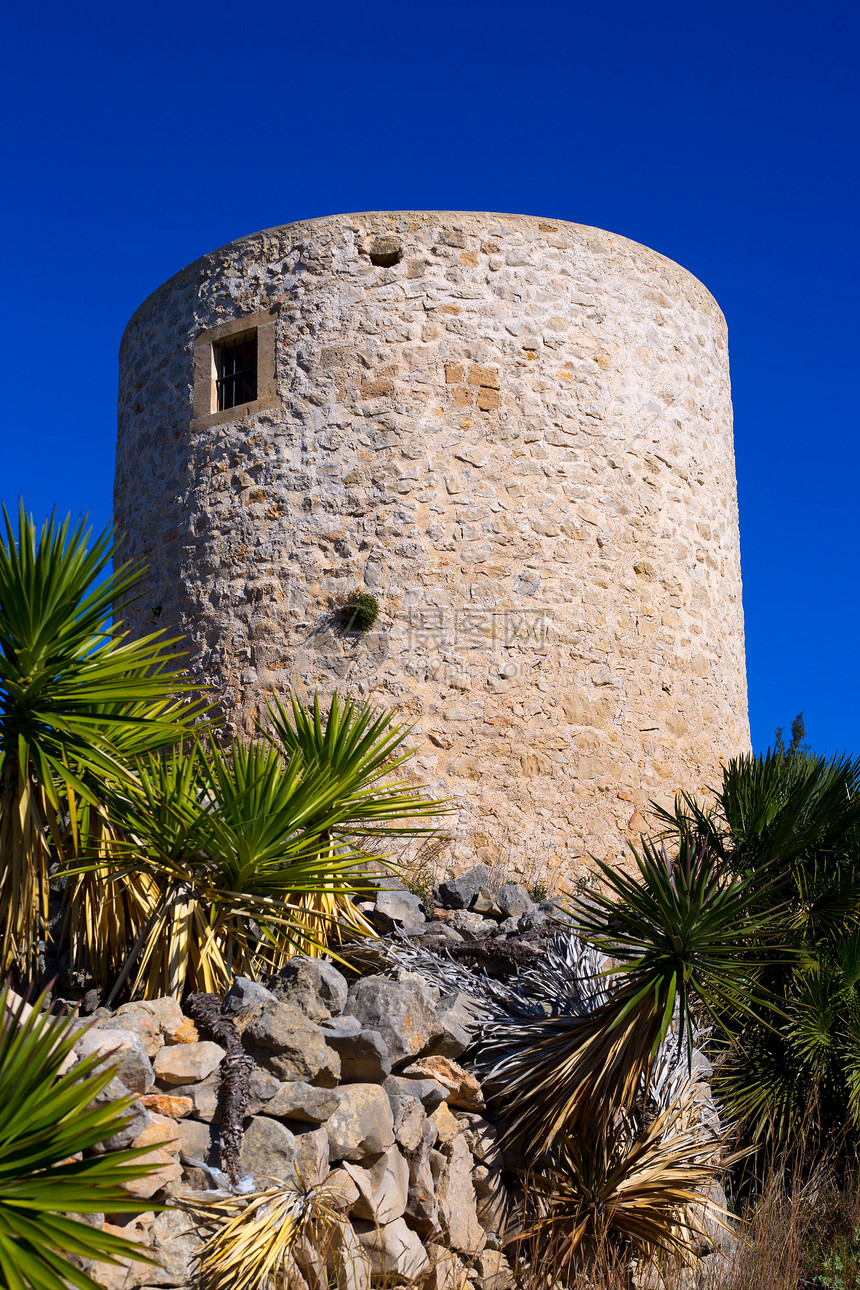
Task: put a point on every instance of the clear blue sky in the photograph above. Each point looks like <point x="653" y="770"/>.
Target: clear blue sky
<point x="136" y="138"/>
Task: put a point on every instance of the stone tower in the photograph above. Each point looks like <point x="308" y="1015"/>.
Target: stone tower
<point x="517" y="434"/>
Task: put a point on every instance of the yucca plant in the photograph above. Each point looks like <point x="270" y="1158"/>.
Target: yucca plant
<point x="364" y="750"/>
<point x="616" y="1186"/>
<point x="52" y="1118"/>
<point x="254" y="1243"/>
<point x="73" y="689"/>
<point x="788" y="826"/>
<point x="683" y="939"/>
<point x="245" y="858"/>
<point x="231" y="846"/>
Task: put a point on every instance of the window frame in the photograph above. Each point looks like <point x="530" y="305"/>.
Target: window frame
<point x="205" y="411"/>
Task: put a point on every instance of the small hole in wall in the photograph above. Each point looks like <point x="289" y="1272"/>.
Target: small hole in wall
<point x="385" y="252"/>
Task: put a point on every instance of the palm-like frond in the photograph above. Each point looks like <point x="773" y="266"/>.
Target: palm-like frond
<point x="255" y="1239"/>
<point x="74" y="692"/>
<point x="363" y="749"/>
<point x="235" y="847"/>
<point x="613" y="1184"/>
<point x="51" y="1120"/>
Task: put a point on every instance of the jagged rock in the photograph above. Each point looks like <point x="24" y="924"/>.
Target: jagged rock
<point x="463" y="1089"/>
<point x="458" y="893"/>
<point x="383" y="1186"/>
<point x="203" y="1097"/>
<point x="199" y="1141"/>
<point x="395" y="1252"/>
<point x="166" y="1104"/>
<point x="269" y="1151"/>
<point x="313" y="986"/>
<point x="448" y="1271"/>
<point x="137" y="1113"/>
<point x="397" y="909"/>
<point x="161" y="1135"/>
<point x="363" y="1053"/>
<point x="312" y="1154"/>
<point x="174" y="1239"/>
<point x="486" y="905"/>
<point x="341" y="1189"/>
<point x="262" y="1087"/>
<point x="495" y="1273"/>
<point x="472" y="926"/>
<point x="457" y="1202"/>
<point x="138" y="1018"/>
<point x="188" y="1063"/>
<point x="428" y="1091"/>
<point x="350" y="1263"/>
<point x="123" y="1049"/>
<point x="402" y="1011"/>
<point x="421" y="1204"/>
<point x="362" y="1125"/>
<point x="285" y="1042"/>
<point x="447" y="1125"/>
<point x="246" y="998"/>
<point x="186" y="1034"/>
<point x="300" y="1101"/>
<point x="409" y="1120"/>
<point x="513" y="900"/>
<point x="454" y="1016"/>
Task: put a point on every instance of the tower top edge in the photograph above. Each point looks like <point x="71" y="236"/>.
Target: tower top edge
<point x="391" y="217"/>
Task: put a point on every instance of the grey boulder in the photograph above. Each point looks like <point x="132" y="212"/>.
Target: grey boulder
<point x="383" y="1186"/>
<point x="402" y="1011"/>
<point x="300" y="1101"/>
<point x="459" y="893"/>
<point x="123" y="1049"/>
<point x="362" y="1125"/>
<point x="513" y="900"/>
<point x="313" y="986"/>
<point x="363" y="1053"/>
<point x="285" y="1042"/>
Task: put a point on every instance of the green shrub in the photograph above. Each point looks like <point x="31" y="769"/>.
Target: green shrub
<point x="360" y="611"/>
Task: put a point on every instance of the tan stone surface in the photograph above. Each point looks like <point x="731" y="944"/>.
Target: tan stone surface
<point x="519" y="438"/>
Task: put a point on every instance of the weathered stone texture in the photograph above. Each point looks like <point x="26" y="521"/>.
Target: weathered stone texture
<point x="517" y="434"/>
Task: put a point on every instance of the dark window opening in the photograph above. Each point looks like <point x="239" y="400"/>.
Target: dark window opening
<point x="386" y="252"/>
<point x="236" y="370"/>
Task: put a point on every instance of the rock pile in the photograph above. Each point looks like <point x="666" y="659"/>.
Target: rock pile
<point x="355" y="1083"/>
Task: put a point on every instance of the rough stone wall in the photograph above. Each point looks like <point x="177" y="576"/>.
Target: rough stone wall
<point x="518" y="436"/>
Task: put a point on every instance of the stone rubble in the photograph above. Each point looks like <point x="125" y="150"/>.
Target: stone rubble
<point x="354" y="1089"/>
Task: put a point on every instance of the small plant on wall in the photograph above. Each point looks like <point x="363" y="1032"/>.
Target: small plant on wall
<point x="359" y="611"/>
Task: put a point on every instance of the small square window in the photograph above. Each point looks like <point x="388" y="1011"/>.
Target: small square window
<point x="235" y="370"/>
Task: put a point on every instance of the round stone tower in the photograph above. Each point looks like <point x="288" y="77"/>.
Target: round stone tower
<point x="516" y="433"/>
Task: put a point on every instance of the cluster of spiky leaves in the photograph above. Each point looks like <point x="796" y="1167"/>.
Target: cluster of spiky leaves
<point x="52" y="1118"/>
<point x="788" y="827"/>
<point x="181" y="863"/>
<point x="255" y="1238"/>
<point x="77" y="700"/>
<point x="619" y="1159"/>
<point x="252" y="857"/>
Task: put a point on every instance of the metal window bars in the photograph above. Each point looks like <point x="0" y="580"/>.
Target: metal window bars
<point x="236" y="370"/>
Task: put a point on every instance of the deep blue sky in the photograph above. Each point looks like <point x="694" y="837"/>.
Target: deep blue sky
<point x="136" y="138"/>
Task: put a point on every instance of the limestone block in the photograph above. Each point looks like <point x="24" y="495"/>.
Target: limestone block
<point x="122" y="1049"/>
<point x="383" y="1186"/>
<point x="362" y="1125"/>
<point x="188" y="1063"/>
<point x="396" y="1253"/>
<point x="457" y="1202"/>
<point x="401" y="1011"/>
